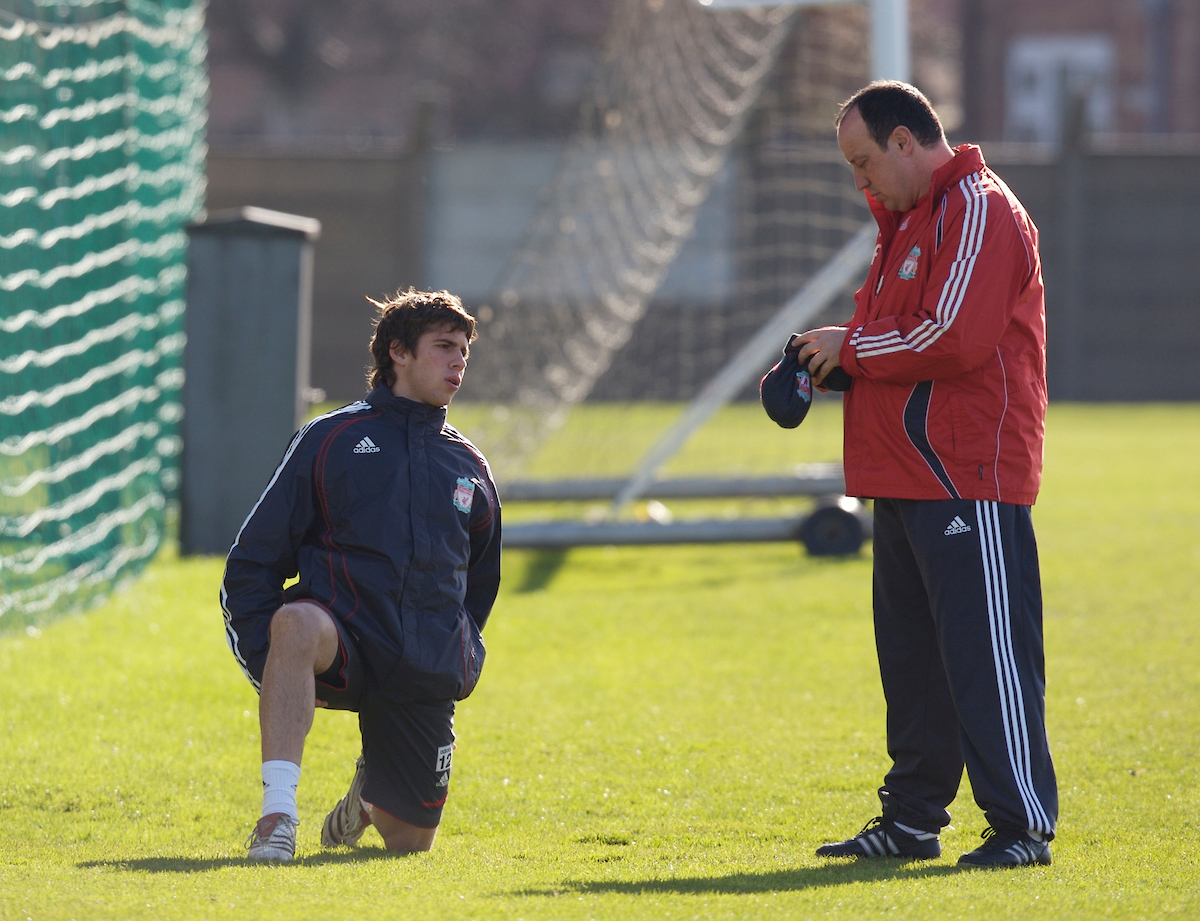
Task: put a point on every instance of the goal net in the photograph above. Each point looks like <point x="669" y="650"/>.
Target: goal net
<point x="101" y="166"/>
<point x="702" y="192"/>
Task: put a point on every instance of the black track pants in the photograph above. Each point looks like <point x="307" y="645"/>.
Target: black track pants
<point x="958" y="628"/>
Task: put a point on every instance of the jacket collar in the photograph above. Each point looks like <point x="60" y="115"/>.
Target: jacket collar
<point x="399" y="409"/>
<point x="967" y="159"/>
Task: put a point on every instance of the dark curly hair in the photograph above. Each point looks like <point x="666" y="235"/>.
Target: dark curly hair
<point x="403" y="319"/>
<point x="885" y="105"/>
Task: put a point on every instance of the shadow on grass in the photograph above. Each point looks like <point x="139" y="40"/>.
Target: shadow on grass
<point x="749" y="883"/>
<point x="202" y="864"/>
<point x="541" y="569"/>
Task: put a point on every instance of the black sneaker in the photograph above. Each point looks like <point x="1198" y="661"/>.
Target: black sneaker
<point x="881" y="838"/>
<point x="1007" y="849"/>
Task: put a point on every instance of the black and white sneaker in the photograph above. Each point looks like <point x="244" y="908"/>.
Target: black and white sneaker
<point x="1007" y="849"/>
<point x="882" y="837"/>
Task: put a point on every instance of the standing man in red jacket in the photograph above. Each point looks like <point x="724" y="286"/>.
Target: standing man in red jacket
<point x="943" y="428"/>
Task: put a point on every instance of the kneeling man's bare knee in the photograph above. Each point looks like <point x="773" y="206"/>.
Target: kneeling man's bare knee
<point x="302" y="626"/>
<point x="399" y="835"/>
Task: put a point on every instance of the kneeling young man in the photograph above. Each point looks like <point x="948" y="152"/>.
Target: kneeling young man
<point x="391" y="520"/>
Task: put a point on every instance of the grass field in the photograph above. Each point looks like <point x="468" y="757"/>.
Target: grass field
<point x="659" y="733"/>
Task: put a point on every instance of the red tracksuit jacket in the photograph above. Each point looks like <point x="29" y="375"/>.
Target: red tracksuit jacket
<point x="947" y="347"/>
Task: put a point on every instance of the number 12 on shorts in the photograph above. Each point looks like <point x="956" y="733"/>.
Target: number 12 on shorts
<point x="445" y="753"/>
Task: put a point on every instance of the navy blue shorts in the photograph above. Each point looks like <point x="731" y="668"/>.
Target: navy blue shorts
<point x="407" y="745"/>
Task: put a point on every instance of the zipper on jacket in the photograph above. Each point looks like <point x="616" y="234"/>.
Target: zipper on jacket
<point x="981" y="471"/>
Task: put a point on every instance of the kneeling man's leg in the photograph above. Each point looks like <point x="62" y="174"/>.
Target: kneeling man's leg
<point x="304" y="644"/>
<point x="399" y="835"/>
<point x="407" y="752"/>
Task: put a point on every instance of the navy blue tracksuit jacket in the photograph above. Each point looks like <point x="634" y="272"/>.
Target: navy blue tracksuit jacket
<point x="390" y="517"/>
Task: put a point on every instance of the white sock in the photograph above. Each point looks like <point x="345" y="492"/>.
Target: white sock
<point x="280" y="780"/>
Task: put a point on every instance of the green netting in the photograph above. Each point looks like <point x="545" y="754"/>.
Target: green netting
<point x="102" y="113"/>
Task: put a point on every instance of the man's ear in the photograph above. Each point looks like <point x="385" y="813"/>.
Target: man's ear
<point x="397" y="352"/>
<point x="903" y="138"/>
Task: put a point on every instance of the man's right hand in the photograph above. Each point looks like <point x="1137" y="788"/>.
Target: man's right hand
<point x="824" y="345"/>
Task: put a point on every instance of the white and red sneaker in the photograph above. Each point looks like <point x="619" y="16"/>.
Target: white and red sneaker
<point x="273" y="838"/>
